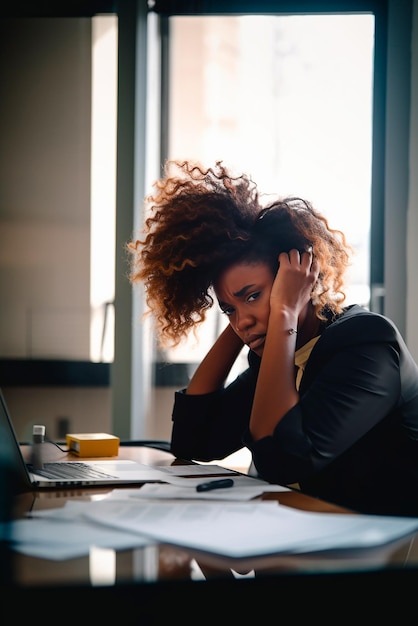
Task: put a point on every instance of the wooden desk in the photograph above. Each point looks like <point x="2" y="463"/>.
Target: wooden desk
<point x="163" y="563"/>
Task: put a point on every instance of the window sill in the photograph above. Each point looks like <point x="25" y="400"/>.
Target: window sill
<point x="56" y="373"/>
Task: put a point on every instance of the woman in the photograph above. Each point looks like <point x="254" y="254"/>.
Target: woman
<point x="330" y="396"/>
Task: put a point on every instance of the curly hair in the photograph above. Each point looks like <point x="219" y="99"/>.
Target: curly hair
<point x="201" y="221"/>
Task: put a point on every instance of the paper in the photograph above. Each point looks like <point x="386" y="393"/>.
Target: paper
<point x="233" y="529"/>
<point x="239" y="480"/>
<point x="248" y="529"/>
<point x="244" y="488"/>
<point x="58" y="539"/>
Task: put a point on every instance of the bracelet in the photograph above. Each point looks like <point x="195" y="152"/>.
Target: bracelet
<point x="292" y="331"/>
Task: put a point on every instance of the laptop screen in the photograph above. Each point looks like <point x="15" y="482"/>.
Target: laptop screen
<point x="13" y="470"/>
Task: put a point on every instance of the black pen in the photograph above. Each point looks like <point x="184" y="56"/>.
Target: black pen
<point x="215" y="484"/>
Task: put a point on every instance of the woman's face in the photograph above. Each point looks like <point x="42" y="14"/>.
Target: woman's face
<point x="243" y="293"/>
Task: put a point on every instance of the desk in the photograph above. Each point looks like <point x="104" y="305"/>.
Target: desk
<point x="168" y="564"/>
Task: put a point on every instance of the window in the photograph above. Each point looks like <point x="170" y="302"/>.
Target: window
<point x="288" y="99"/>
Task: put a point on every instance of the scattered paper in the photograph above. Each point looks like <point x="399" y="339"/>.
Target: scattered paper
<point x="248" y="529"/>
<point x="244" y="488"/>
<point x="174" y="513"/>
<point x="59" y="539"/>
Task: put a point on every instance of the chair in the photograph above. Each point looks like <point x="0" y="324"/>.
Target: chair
<point x="158" y="444"/>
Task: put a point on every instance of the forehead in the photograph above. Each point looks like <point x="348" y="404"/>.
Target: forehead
<point x="240" y="275"/>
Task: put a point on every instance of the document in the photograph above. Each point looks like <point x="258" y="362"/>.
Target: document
<point x="245" y="529"/>
<point x="234" y="529"/>
<point x="59" y="539"/>
<point x="243" y="488"/>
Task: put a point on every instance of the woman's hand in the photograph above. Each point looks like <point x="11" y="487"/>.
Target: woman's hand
<point x="295" y="278"/>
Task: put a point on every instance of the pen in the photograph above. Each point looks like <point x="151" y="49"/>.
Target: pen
<point x="215" y="484"/>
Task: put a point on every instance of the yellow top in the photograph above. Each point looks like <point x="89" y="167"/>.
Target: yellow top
<point x="301" y="357"/>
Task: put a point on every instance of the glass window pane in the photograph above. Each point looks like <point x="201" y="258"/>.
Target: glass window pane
<point x="287" y="99"/>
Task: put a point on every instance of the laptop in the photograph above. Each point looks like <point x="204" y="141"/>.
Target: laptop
<point x="65" y="473"/>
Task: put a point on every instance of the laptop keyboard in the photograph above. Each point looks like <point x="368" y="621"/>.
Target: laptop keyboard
<point x="74" y="470"/>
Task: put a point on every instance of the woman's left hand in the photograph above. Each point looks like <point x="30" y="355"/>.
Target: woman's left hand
<point x="295" y="278"/>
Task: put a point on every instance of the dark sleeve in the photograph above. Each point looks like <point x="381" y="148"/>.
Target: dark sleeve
<point x="210" y="426"/>
<point x="348" y="390"/>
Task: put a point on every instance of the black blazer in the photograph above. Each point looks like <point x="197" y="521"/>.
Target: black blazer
<point x="352" y="437"/>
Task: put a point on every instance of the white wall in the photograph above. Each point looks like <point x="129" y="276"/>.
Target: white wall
<point x="45" y="112"/>
<point x="84" y="409"/>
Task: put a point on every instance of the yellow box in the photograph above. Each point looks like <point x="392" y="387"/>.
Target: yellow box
<point x="93" y="444"/>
